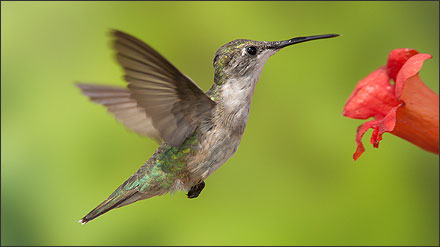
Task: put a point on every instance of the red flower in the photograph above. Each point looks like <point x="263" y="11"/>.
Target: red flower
<point x="407" y="109"/>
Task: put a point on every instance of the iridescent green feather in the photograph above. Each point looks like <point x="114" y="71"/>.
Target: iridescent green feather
<point x="155" y="177"/>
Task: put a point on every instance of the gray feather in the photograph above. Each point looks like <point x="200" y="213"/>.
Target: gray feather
<point x="176" y="105"/>
<point x="125" y="109"/>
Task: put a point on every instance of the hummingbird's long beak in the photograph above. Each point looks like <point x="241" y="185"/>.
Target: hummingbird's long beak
<point x="281" y="44"/>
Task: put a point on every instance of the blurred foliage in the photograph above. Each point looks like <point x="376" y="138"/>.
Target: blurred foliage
<point x="292" y="181"/>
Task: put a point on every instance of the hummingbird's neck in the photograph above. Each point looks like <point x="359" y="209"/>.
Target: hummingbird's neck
<point x="233" y="89"/>
<point x="233" y="98"/>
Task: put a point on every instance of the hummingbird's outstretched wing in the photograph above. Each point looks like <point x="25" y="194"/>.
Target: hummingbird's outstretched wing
<point x="117" y="100"/>
<point x="175" y="104"/>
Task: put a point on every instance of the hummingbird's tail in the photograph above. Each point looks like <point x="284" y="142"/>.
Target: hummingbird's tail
<point x="118" y="198"/>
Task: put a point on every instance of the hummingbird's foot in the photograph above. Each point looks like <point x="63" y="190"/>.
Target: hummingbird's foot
<point x="195" y="190"/>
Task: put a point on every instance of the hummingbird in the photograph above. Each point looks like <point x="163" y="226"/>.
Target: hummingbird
<point x="197" y="131"/>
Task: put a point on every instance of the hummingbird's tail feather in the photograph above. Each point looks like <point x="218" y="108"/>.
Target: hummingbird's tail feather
<point x="135" y="188"/>
<point x="116" y="199"/>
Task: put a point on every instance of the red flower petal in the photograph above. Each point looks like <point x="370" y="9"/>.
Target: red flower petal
<point x="409" y="69"/>
<point x="380" y="126"/>
<point x="359" y="134"/>
<point x="373" y="96"/>
<point x="396" y="59"/>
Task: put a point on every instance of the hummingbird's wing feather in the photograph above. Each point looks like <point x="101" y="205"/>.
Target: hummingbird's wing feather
<point x="174" y="102"/>
<point x="117" y="100"/>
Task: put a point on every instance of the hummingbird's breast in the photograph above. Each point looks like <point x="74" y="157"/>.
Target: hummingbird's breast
<point x="215" y="147"/>
<point x="219" y="139"/>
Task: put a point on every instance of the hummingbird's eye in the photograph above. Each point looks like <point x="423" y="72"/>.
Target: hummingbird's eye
<point x="251" y="50"/>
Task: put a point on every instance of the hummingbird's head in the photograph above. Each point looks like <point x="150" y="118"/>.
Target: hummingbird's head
<point x="243" y="58"/>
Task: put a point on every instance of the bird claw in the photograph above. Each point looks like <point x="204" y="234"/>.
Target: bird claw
<point x="195" y="190"/>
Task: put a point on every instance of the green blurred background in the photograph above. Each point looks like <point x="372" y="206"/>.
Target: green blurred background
<point x="292" y="181"/>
